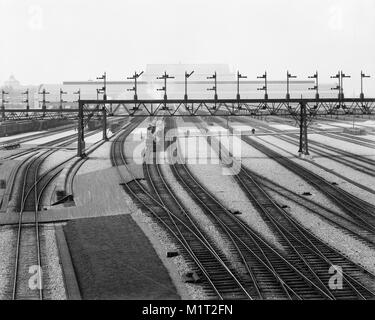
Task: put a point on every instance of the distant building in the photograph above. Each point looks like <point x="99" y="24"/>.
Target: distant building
<point x="16" y="97"/>
<point x="12" y="83"/>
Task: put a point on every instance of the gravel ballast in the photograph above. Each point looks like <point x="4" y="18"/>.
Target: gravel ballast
<point x="216" y="235"/>
<point x="53" y="284"/>
<point x="223" y="187"/>
<point x="285" y="148"/>
<point x="7" y="248"/>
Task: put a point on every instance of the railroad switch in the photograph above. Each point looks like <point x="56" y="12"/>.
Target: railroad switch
<point x="192" y="277"/>
<point x="235" y="212"/>
<point x="171" y="254"/>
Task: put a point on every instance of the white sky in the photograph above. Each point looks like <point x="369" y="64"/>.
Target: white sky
<point x="55" y="40"/>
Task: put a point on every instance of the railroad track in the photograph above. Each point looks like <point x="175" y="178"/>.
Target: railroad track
<point x="304" y="249"/>
<point x="357" y="209"/>
<point x="362" y="230"/>
<point x="352" y="139"/>
<point x="362" y="164"/>
<point x="223" y="283"/>
<point x="27" y="277"/>
<point x="359" y="140"/>
<point x="274" y="275"/>
<point x="348" y="225"/>
<point x="312" y="257"/>
<point x="34" y="137"/>
<point x="36" y="159"/>
<point x="366" y="167"/>
<point x="71" y="174"/>
<point x="36" y="149"/>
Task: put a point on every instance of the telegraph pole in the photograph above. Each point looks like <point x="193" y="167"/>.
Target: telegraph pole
<point x="104" y="88"/>
<point x="239" y="76"/>
<point x="164" y="77"/>
<point x="363" y="75"/>
<point x="78" y="92"/>
<point x="214" y="88"/>
<point x="338" y="87"/>
<point x="264" y="88"/>
<point x="98" y="91"/>
<point x="27" y="101"/>
<point x="44" y="102"/>
<point x="81" y="132"/>
<point x="288" y="76"/>
<point x="187" y="76"/>
<point x="316" y="86"/>
<point x="61" y="98"/>
<point x="135" y="78"/>
<point x="342" y="76"/>
<point x="3" y="102"/>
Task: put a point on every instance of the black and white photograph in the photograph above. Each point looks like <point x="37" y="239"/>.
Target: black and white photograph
<point x="184" y="155"/>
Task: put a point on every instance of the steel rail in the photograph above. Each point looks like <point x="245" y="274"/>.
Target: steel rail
<point x="176" y="236"/>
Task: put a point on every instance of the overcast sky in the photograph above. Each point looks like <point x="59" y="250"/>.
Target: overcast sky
<point x="51" y="41"/>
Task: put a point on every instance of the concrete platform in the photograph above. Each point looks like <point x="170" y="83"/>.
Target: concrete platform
<point x="356" y="131"/>
<point x="113" y="259"/>
<point x="8" y="171"/>
<point x="95" y="194"/>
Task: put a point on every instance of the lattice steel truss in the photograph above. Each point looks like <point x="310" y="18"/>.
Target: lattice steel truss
<point x="302" y="110"/>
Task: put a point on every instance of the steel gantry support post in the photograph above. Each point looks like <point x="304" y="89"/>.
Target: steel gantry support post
<point x="3" y="102"/>
<point x="187" y="76"/>
<point x="214" y="88"/>
<point x="363" y="75"/>
<point x="303" y="141"/>
<point x="239" y="76"/>
<point x="288" y="76"/>
<point x="81" y="131"/>
<point x="62" y="101"/>
<point x="27" y="101"/>
<point x="135" y="78"/>
<point x="104" y="113"/>
<point x="44" y="101"/>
